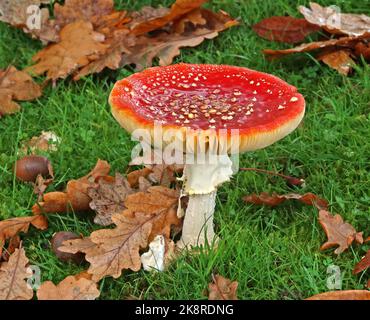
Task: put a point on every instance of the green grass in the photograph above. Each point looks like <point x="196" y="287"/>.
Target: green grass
<point x="272" y="253"/>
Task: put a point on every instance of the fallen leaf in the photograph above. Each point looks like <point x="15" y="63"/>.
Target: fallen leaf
<point x="109" y="251"/>
<point x="342" y="295"/>
<point x="339" y="60"/>
<point x="18" y="13"/>
<point x="11" y="227"/>
<point x="333" y="21"/>
<point x="13" y="275"/>
<point x="108" y="198"/>
<point x="134" y="176"/>
<point x="16" y="86"/>
<point x="222" y="288"/>
<point x="276" y="199"/>
<point x="47" y="141"/>
<point x="363" y="49"/>
<point x="69" y="289"/>
<point x="192" y="19"/>
<point x="343" y="42"/>
<point x="284" y="29"/>
<point x="14" y="243"/>
<point x="178" y="9"/>
<point x="79" y="45"/>
<point x="146" y="13"/>
<point x="160" y="201"/>
<point x="166" y="46"/>
<point x="363" y="264"/>
<point x="76" y="195"/>
<point x="339" y="233"/>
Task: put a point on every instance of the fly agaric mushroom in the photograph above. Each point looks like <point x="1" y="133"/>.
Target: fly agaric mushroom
<point x="205" y="98"/>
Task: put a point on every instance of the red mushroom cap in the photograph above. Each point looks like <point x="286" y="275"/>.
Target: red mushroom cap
<point x="261" y="106"/>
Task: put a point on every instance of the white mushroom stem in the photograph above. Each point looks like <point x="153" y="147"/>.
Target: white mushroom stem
<point x="200" y="183"/>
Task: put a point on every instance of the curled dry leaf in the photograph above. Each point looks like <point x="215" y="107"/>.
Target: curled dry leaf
<point x="333" y="21"/>
<point x="178" y="9"/>
<point x="13" y="275"/>
<point x="343" y="42"/>
<point x="342" y="295"/>
<point x="11" y="227"/>
<point x="339" y="60"/>
<point x="339" y="233"/>
<point x="276" y="199"/>
<point x="70" y="288"/>
<point x="79" y="44"/>
<point x="76" y="194"/>
<point x="362" y="49"/>
<point x="107" y="199"/>
<point x="222" y="288"/>
<point x="16" y="85"/>
<point x="363" y="264"/>
<point x="284" y="29"/>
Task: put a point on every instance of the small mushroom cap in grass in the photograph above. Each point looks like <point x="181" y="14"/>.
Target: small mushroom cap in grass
<point x="207" y="98"/>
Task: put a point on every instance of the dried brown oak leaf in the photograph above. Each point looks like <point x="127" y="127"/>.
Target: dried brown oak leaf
<point x="363" y="49"/>
<point x="284" y="29"/>
<point x="71" y="288"/>
<point x="16" y="85"/>
<point x="363" y="264"/>
<point x="222" y="288"/>
<point x="118" y="43"/>
<point x="146" y="13"/>
<point x="192" y="19"/>
<point x="109" y="251"/>
<point x="342" y="295"/>
<point x="13" y="275"/>
<point x="333" y="21"/>
<point x="107" y="198"/>
<point x="276" y="199"/>
<point x="134" y="176"/>
<point x="341" y="43"/>
<point x="11" y="227"/>
<point x="178" y="9"/>
<point x="339" y="233"/>
<point x="166" y="46"/>
<point x="339" y="60"/>
<point x="14" y="243"/>
<point x="79" y="45"/>
<point x="76" y="194"/>
<point x="159" y="201"/>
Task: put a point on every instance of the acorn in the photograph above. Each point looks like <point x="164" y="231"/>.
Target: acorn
<point x="56" y="243"/>
<point x="29" y="167"/>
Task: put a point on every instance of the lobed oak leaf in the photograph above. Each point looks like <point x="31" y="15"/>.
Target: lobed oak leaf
<point x="339" y="60"/>
<point x="109" y="251"/>
<point x="339" y="233"/>
<point x="108" y="198"/>
<point x="79" y="45"/>
<point x="192" y="19"/>
<point x="284" y="29"/>
<point x="342" y="295"/>
<point x="178" y="9"/>
<point x="13" y="275"/>
<point x="222" y="288"/>
<point x="333" y="21"/>
<point x="76" y="194"/>
<point x="146" y="13"/>
<point x="363" y="264"/>
<point x="71" y="288"/>
<point x="134" y="176"/>
<point x="276" y="199"/>
<point x="16" y="85"/>
<point x="12" y="227"/>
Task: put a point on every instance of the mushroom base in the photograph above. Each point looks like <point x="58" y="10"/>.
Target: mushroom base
<point x="198" y="222"/>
